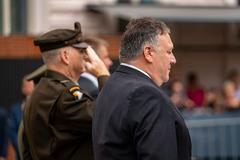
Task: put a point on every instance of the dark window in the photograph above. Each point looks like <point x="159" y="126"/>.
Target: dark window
<point x="19" y="16"/>
<point x="1" y="17"/>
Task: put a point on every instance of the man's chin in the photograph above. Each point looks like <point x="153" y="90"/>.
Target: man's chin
<point x="166" y="79"/>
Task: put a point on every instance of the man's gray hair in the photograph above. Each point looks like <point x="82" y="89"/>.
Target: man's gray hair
<point x="50" y="56"/>
<point x="139" y="33"/>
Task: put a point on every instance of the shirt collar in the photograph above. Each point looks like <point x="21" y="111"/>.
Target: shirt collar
<point x="136" y="68"/>
<point x="91" y="77"/>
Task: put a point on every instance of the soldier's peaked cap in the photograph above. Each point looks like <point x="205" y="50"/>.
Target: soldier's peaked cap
<point x="60" y="38"/>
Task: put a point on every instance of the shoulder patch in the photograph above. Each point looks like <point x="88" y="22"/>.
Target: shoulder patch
<point x="75" y="91"/>
<point x="74" y="88"/>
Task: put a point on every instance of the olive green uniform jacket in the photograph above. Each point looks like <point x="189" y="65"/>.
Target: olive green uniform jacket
<point x="58" y="120"/>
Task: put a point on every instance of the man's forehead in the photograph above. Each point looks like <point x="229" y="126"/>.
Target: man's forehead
<point x="165" y="39"/>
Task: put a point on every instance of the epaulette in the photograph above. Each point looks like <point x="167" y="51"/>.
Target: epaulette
<point x="73" y="89"/>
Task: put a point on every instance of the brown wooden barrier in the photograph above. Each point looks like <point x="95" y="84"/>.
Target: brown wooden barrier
<point x="20" y="47"/>
<point x="15" y="47"/>
<point x="114" y="44"/>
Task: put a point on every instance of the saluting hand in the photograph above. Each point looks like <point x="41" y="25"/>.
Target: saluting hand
<point x="94" y="64"/>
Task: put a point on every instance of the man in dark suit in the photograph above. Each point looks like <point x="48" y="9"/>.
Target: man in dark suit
<point x="88" y="81"/>
<point x="58" y="115"/>
<point x="134" y="119"/>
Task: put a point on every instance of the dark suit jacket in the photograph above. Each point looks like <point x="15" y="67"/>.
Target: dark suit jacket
<point x="135" y="120"/>
<point x="58" y="120"/>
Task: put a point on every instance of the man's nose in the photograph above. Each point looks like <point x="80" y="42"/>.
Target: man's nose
<point x="173" y="60"/>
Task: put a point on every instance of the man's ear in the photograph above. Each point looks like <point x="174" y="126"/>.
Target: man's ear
<point x="64" y="56"/>
<point x="148" y="53"/>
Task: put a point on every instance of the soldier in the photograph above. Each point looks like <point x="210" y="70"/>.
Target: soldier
<point x="58" y="115"/>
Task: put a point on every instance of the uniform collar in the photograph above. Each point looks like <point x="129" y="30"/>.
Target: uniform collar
<point x="56" y="75"/>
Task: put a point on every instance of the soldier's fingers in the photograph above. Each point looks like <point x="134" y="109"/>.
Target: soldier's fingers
<point x="92" y="54"/>
<point x="86" y="57"/>
<point x="88" y="66"/>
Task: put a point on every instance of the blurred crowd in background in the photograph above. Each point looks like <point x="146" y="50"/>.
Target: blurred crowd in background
<point x="192" y="97"/>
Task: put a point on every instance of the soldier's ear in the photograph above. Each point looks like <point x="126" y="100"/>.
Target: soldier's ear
<point x="148" y="53"/>
<point x="64" y="56"/>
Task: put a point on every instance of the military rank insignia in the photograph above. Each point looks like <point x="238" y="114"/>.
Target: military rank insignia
<point x="75" y="91"/>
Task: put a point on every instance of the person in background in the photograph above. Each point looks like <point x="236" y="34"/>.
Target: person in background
<point x="15" y="114"/>
<point x="34" y="77"/>
<point x="58" y="115"/>
<point x="194" y="91"/>
<point x="3" y="133"/>
<point x="231" y="91"/>
<point x="230" y="101"/>
<point x="134" y="119"/>
<point x="212" y="100"/>
<point x="178" y="96"/>
<point x="88" y="81"/>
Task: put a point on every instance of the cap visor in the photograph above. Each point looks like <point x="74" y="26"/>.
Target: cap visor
<point x="82" y="45"/>
<point x="39" y="72"/>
